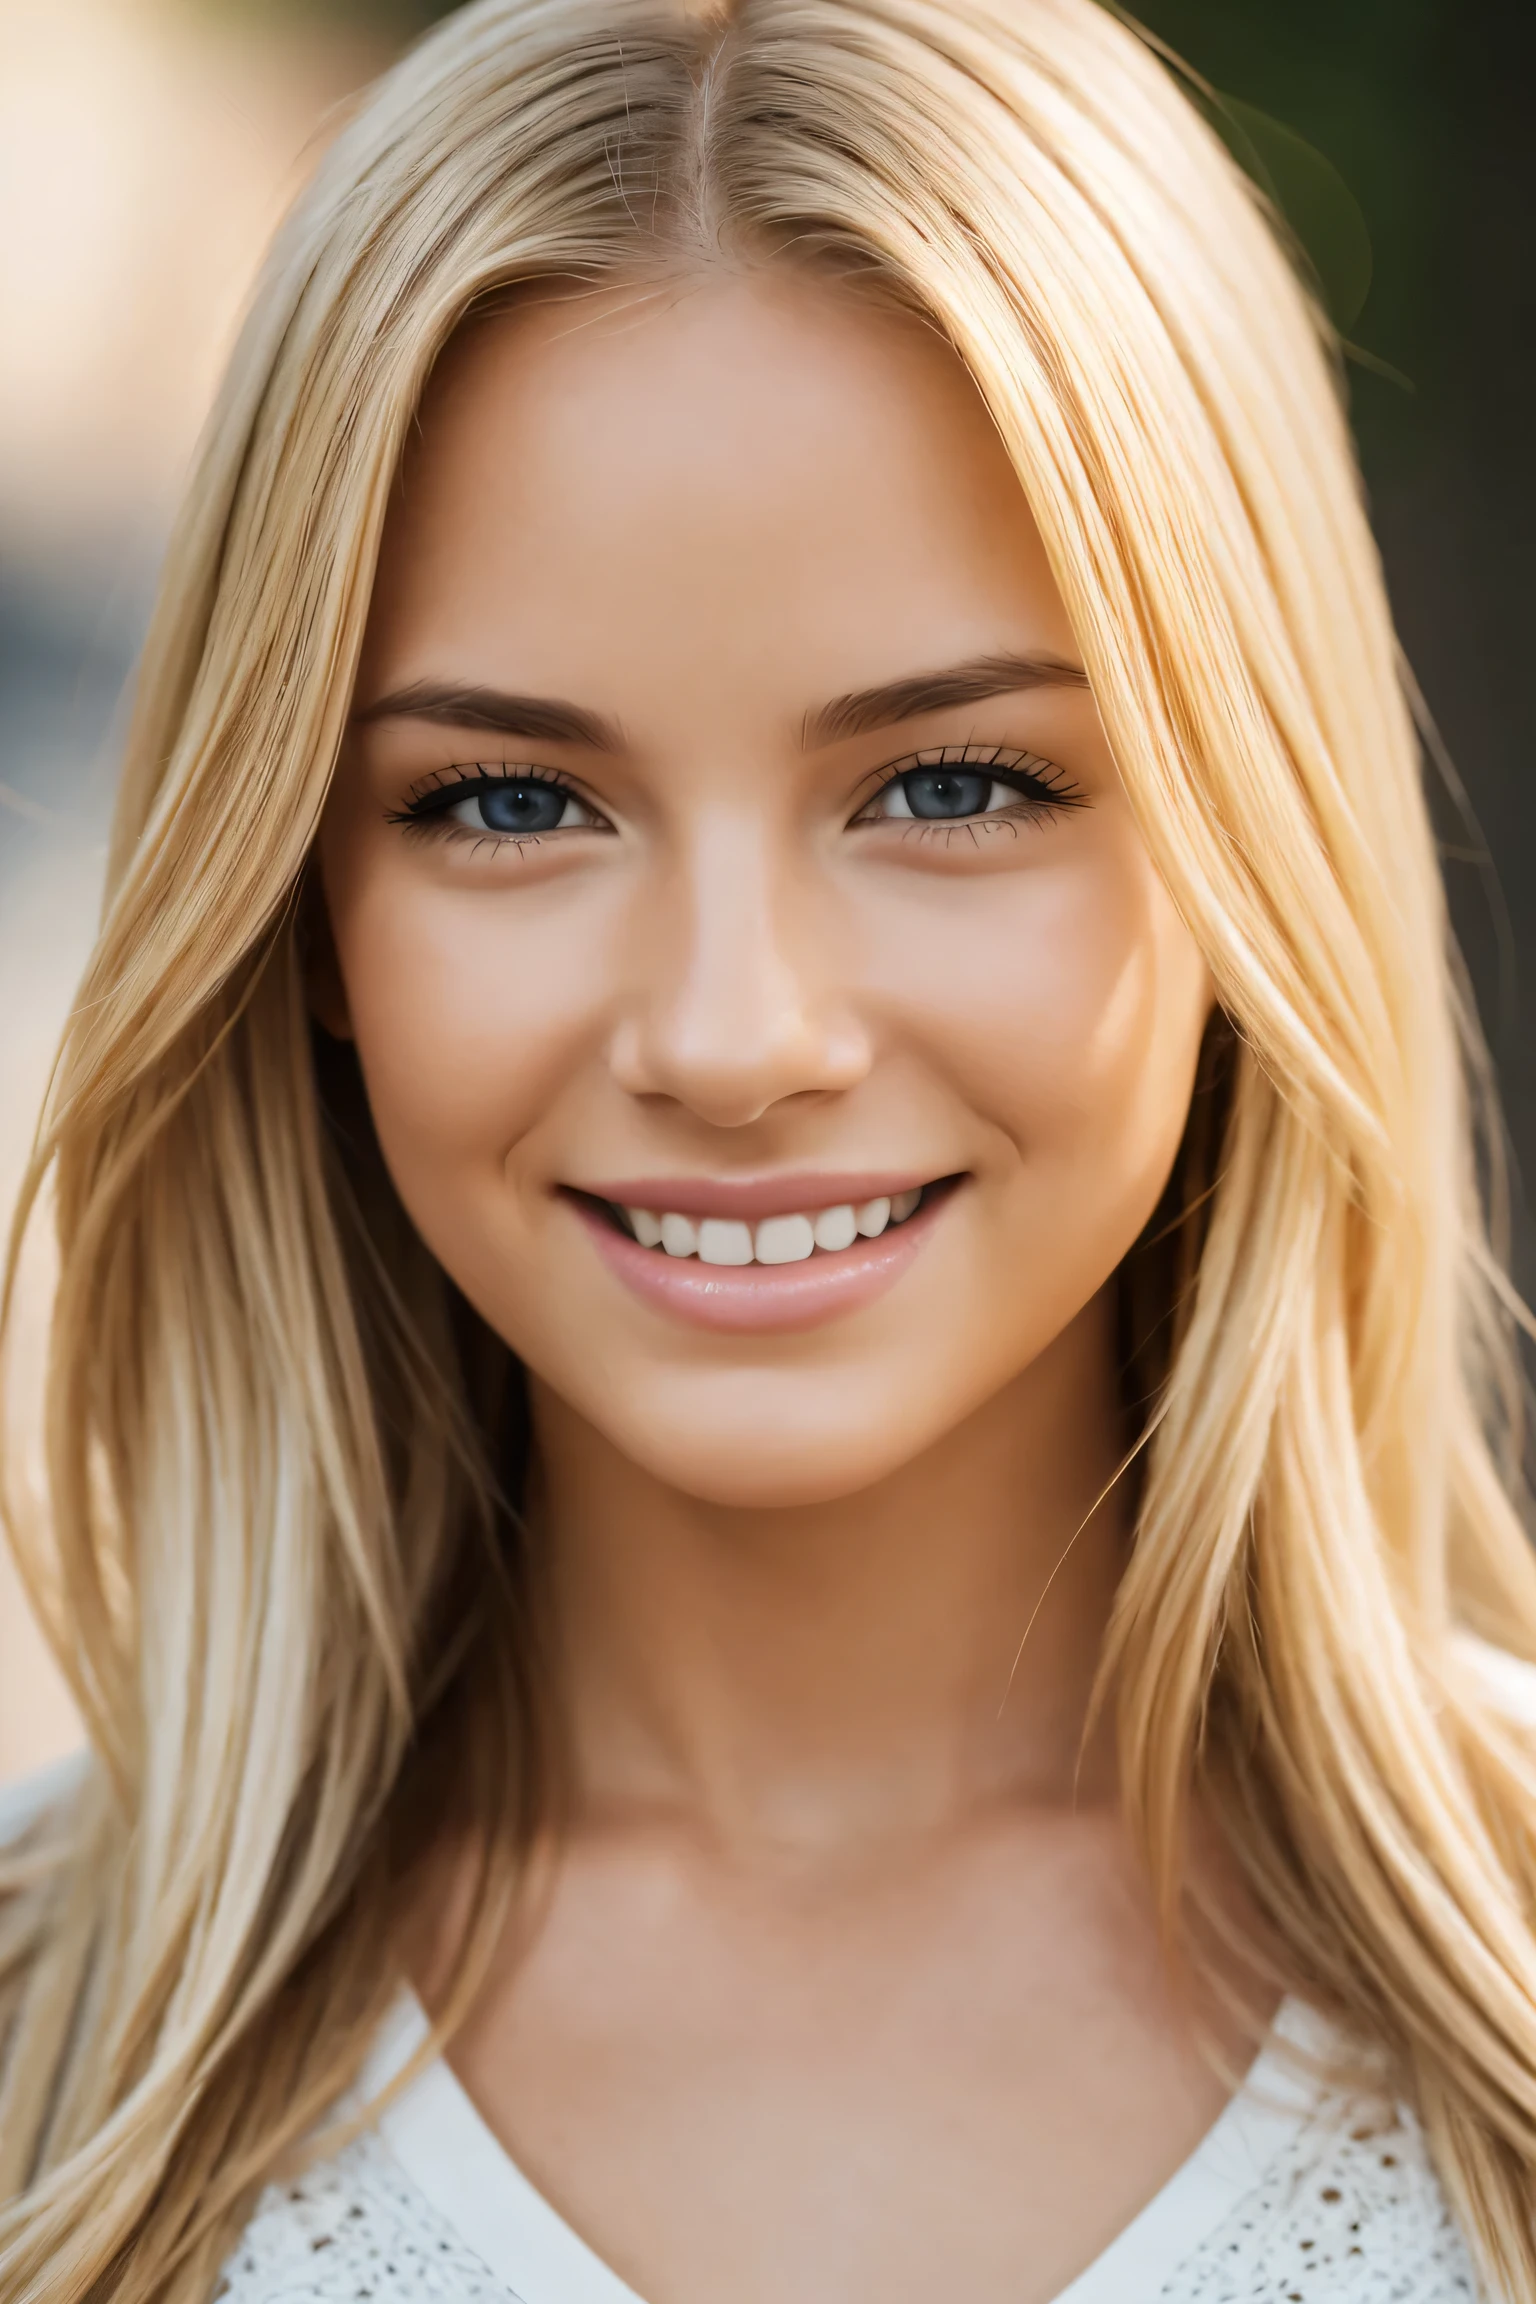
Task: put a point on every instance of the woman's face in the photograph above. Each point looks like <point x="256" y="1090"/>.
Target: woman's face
<point x="727" y="848"/>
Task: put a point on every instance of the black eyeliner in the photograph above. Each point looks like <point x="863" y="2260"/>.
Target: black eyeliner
<point x="1041" y="781"/>
<point x="444" y="788"/>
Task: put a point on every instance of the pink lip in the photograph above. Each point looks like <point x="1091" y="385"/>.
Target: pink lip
<point x="749" y="1197"/>
<point x="758" y="1299"/>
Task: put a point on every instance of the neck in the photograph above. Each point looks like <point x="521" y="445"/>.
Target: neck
<point x="875" y="1664"/>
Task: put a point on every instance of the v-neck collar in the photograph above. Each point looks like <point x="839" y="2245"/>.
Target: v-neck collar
<point x="452" y="2157"/>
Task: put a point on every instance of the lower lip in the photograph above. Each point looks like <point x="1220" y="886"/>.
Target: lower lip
<point x="760" y="1299"/>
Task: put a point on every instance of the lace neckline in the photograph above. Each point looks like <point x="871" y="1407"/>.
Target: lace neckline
<point x="449" y="2152"/>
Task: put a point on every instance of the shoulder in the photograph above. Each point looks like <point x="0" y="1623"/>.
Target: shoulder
<point x="1351" y="2208"/>
<point x="354" y="2226"/>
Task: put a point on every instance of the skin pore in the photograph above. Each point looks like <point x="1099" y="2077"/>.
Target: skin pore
<point x="661" y="856"/>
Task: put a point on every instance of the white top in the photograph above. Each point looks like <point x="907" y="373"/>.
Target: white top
<point x="1298" y="2195"/>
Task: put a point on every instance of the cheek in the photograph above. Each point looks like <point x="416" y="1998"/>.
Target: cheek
<point x="469" y="1009"/>
<point x="1065" y="1008"/>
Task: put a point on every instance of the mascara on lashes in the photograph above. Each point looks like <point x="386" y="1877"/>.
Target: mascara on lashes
<point x="1034" y="778"/>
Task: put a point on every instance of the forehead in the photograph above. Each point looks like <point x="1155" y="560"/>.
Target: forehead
<point x="743" y="467"/>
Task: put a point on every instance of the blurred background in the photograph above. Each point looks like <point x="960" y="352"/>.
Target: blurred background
<point x="147" y="148"/>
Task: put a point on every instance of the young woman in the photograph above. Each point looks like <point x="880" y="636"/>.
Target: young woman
<point x="778" y="1420"/>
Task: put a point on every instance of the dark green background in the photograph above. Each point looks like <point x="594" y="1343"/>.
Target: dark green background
<point x="1425" y="109"/>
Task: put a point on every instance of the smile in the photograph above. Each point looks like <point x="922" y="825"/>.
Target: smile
<point x="773" y="1239"/>
<point x="785" y="1254"/>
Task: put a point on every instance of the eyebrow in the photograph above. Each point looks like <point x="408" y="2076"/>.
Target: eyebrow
<point x="549" y="720"/>
<point x="969" y="683"/>
<point x="455" y="704"/>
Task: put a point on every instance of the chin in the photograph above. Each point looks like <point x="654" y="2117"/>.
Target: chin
<point x="754" y="1468"/>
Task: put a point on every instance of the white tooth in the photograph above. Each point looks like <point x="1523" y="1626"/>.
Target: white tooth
<point x="722" y="1240"/>
<point x="784" y="1239"/>
<point x="679" y="1235"/>
<point x="645" y="1226"/>
<point x="872" y="1218"/>
<point x="835" y="1227"/>
<point x="903" y="1203"/>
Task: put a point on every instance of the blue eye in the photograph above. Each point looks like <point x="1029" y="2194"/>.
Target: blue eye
<point x="964" y="782"/>
<point x="505" y="805"/>
<point x="939" y="793"/>
<point x="499" y="806"/>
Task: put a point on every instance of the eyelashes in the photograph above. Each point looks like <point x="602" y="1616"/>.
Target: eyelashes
<point x="941" y="789"/>
<point x="954" y="786"/>
<point x="492" y="801"/>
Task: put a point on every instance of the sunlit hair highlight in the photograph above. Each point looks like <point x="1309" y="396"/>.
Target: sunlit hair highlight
<point x="281" y="1569"/>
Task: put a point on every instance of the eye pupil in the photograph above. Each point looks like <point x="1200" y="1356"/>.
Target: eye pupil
<point x="939" y="792"/>
<point x="510" y="807"/>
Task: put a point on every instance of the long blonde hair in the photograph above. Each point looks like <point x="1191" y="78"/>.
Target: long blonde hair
<point x="271" y="1531"/>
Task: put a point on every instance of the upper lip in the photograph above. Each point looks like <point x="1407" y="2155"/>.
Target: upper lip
<point x="749" y="1197"/>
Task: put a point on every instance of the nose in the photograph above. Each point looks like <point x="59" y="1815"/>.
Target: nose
<point x="735" y="1001"/>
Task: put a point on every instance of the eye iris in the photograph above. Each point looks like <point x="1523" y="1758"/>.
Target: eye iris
<point x="509" y="807"/>
<point x="938" y="792"/>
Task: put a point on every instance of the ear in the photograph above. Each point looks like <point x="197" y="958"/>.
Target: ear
<point x="324" y="988"/>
